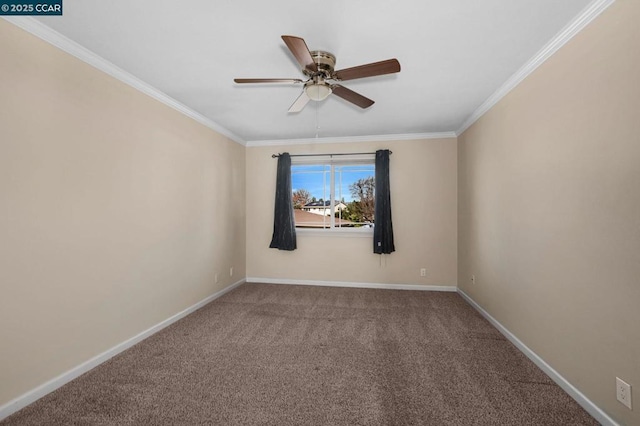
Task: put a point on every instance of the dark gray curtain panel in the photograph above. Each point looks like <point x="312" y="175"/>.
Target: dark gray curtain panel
<point x="284" y="227"/>
<point x="383" y="227"/>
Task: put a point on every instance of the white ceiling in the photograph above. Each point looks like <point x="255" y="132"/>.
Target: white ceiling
<point x="455" y="54"/>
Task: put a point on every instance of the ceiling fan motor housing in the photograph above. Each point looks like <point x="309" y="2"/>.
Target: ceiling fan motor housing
<point x="317" y="89"/>
<point x="325" y="62"/>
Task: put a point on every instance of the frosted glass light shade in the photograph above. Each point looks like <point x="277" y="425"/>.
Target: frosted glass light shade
<point x="318" y="92"/>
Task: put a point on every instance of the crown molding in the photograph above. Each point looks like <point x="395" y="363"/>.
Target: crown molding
<point x="31" y="25"/>
<point x="592" y="11"/>
<point x="56" y="39"/>
<point x="352" y="139"/>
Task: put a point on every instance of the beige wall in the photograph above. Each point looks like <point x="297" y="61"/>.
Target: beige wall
<point x="549" y="209"/>
<point x="423" y="184"/>
<point x="115" y="212"/>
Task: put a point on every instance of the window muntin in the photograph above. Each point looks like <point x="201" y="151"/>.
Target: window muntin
<point x="333" y="195"/>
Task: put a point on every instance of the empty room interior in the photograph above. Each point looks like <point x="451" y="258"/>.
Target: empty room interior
<point x="166" y="255"/>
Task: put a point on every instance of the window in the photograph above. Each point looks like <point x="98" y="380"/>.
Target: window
<point x="333" y="194"/>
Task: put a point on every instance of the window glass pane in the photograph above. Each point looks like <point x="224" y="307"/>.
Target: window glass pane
<point x="354" y="193"/>
<point x="311" y="195"/>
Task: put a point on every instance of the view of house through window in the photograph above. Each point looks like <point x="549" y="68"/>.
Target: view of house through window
<point x="329" y="196"/>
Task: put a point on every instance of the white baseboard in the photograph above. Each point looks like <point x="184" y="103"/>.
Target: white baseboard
<point x="53" y="384"/>
<point x="352" y="284"/>
<point x="595" y="411"/>
<point x="33" y="395"/>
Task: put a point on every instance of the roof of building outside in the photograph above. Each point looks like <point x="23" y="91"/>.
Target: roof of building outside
<point x="321" y="203"/>
<point x="311" y="220"/>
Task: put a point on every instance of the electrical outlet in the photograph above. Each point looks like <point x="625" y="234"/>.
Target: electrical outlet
<point x="623" y="392"/>
<point x="423" y="272"/>
<point x="216" y="278"/>
<point x="231" y="271"/>
<point x="473" y="279"/>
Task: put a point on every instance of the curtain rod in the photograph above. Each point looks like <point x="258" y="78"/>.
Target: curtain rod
<point x="325" y="155"/>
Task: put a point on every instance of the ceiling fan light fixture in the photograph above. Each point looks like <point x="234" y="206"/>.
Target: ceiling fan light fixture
<point x="317" y="91"/>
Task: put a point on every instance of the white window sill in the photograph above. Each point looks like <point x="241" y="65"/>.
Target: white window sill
<point x="353" y="233"/>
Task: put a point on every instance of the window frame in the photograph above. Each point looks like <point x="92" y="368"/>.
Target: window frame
<point x="333" y="161"/>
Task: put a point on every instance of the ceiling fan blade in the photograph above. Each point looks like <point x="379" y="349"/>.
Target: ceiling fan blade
<point x="299" y="104"/>
<point x="267" y="80"/>
<point x="351" y="96"/>
<point x="299" y="48"/>
<point x="389" y="66"/>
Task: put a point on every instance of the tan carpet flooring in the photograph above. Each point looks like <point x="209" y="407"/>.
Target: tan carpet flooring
<point x="278" y="355"/>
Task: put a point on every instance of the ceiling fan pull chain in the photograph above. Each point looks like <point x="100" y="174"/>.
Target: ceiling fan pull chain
<point x="317" y="120"/>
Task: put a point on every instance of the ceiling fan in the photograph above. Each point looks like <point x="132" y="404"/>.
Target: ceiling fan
<point x="322" y="80"/>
